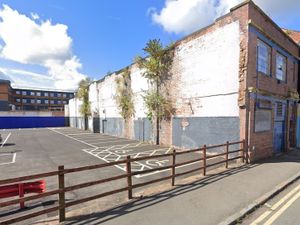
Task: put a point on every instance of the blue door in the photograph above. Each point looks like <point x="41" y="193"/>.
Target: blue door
<point x="278" y="136"/>
<point x="279" y="127"/>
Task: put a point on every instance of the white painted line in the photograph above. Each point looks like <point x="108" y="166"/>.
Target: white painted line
<point x="104" y="142"/>
<point x="12" y="161"/>
<point x="72" y="138"/>
<point x="5" y="140"/>
<point x="96" y="139"/>
<point x="75" y="134"/>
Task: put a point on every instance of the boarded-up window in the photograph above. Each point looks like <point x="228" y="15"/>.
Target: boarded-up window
<point x="262" y="120"/>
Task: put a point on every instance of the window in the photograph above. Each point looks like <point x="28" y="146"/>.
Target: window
<point x="46" y="101"/>
<point x="64" y="95"/>
<point x="38" y="101"/>
<point x="65" y="102"/>
<point x="38" y="94"/>
<point x="32" y="101"/>
<point x="18" y="92"/>
<point x="32" y="93"/>
<point x="59" y="95"/>
<point x="24" y="100"/>
<point x="46" y="94"/>
<point x="51" y="94"/>
<point x="263" y="116"/>
<point x="59" y="102"/>
<point x="263" y="58"/>
<point x="52" y="102"/>
<point x="23" y="92"/>
<point x="280" y="67"/>
<point x="18" y="100"/>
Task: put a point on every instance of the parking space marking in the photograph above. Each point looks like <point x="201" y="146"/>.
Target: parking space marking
<point x="116" y="150"/>
<point x="5" y="140"/>
<point x="54" y="130"/>
<point x="13" y="160"/>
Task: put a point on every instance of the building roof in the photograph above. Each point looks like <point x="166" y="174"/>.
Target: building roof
<point x="295" y="35"/>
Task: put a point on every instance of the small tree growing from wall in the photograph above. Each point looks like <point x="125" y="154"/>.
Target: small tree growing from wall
<point x="124" y="95"/>
<point x="83" y="94"/>
<point x="156" y="69"/>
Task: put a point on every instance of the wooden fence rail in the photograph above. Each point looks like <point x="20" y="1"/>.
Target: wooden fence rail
<point x="61" y="173"/>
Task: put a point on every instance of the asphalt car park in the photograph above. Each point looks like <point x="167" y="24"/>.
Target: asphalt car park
<point x="32" y="151"/>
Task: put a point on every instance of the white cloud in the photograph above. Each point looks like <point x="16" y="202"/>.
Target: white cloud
<point x="29" y="42"/>
<point x="186" y="16"/>
<point x="34" y="16"/>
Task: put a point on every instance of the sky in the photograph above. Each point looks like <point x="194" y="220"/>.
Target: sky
<point x="56" y="43"/>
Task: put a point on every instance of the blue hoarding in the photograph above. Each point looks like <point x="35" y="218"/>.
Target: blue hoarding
<point x="32" y="122"/>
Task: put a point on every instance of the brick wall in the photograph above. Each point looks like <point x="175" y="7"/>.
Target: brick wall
<point x="261" y="27"/>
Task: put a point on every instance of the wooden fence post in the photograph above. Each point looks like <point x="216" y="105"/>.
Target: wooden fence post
<point x="62" y="200"/>
<point x="204" y="160"/>
<point x="21" y="195"/>
<point x="227" y="153"/>
<point x="244" y="152"/>
<point x="129" y="177"/>
<point x="173" y="167"/>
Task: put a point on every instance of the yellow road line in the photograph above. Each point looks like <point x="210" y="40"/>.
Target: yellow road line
<point x="282" y="209"/>
<point x="275" y="206"/>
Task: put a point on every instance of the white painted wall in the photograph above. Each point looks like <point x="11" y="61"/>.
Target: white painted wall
<point x="207" y="77"/>
<point x="94" y="99"/>
<point x="208" y="73"/>
<point x="139" y="85"/>
<point x="74" y="106"/>
<point x="107" y="102"/>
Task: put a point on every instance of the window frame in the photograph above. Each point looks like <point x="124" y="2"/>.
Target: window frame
<point x="269" y="66"/>
<point x="284" y="76"/>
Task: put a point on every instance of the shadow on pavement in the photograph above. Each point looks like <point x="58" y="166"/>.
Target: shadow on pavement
<point x="138" y="204"/>
<point x="148" y="201"/>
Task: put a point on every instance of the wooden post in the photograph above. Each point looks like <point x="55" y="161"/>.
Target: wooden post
<point x="21" y="195"/>
<point x="227" y="153"/>
<point x="243" y="151"/>
<point x="129" y="177"/>
<point x="173" y="167"/>
<point x="61" y="186"/>
<point x="204" y="160"/>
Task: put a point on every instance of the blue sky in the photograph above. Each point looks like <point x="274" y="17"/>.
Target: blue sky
<point x="106" y="35"/>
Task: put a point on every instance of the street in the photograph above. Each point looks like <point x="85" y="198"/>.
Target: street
<point x="283" y="209"/>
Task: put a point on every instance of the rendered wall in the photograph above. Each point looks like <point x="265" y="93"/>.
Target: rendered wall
<point x="206" y="90"/>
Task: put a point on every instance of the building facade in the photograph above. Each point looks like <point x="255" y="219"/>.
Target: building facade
<point x="235" y="79"/>
<point x="32" y="99"/>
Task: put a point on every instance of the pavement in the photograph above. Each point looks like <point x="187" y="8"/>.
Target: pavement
<point x="223" y="198"/>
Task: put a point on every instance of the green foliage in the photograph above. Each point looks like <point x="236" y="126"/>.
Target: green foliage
<point x="158" y="106"/>
<point x="158" y="62"/>
<point x="156" y="69"/>
<point x="83" y="94"/>
<point x="124" y="95"/>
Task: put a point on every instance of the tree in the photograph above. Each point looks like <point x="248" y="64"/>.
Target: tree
<point x="83" y="94"/>
<point x="156" y="69"/>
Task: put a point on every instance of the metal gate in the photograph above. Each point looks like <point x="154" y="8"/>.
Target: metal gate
<point x="279" y="127"/>
<point x="142" y="129"/>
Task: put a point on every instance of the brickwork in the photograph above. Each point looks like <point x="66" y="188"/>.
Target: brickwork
<point x="261" y="143"/>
